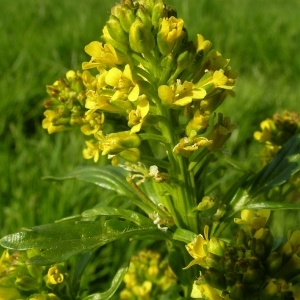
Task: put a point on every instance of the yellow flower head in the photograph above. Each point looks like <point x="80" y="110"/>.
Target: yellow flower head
<point x="170" y="33"/>
<point x="137" y="117"/>
<point x="253" y="219"/>
<point x="202" y="44"/>
<point x="180" y="94"/>
<point x="267" y="126"/>
<point x="101" y="56"/>
<point x="122" y="83"/>
<point x="92" y="151"/>
<point x="198" y="249"/>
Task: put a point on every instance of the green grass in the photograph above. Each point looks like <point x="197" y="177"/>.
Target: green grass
<point x="41" y="40"/>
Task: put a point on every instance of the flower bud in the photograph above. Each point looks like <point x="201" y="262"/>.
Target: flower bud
<point x="252" y="276"/>
<point x="125" y="15"/>
<point x="27" y="283"/>
<point x="144" y="16"/>
<point x="274" y="262"/>
<point x="116" y="31"/>
<point x="132" y="154"/>
<point x="170" y="35"/>
<point x="206" y="203"/>
<point x="158" y="13"/>
<point x="265" y="235"/>
<point x="215" y="278"/>
<point x="212" y="260"/>
<point x="238" y="291"/>
<point x="140" y="37"/>
<point x="9" y="293"/>
<point x="216" y="246"/>
<point x="240" y="266"/>
<point x="240" y="238"/>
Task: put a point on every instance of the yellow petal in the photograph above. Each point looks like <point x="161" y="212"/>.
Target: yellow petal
<point x="133" y="95"/>
<point x="113" y="76"/>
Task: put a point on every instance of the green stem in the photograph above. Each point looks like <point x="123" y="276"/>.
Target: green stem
<point x="183" y="196"/>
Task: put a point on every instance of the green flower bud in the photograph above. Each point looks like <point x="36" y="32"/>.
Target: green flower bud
<point x="238" y="292"/>
<point x="144" y="16"/>
<point x="274" y="262"/>
<point x="140" y="37"/>
<point x="158" y="13"/>
<point x="216" y="246"/>
<point x="27" y="283"/>
<point x="212" y="260"/>
<point x="252" y="276"/>
<point x="265" y="235"/>
<point x="215" y="278"/>
<point x="9" y="293"/>
<point x="132" y="154"/>
<point x="231" y="278"/>
<point x="241" y="266"/>
<point x="227" y="262"/>
<point x="258" y="247"/>
<point x="116" y="31"/>
<point x="206" y="203"/>
<point x="240" y="238"/>
<point x="125" y="15"/>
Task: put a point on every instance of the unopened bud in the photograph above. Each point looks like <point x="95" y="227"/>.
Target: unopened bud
<point x="215" y="278"/>
<point x="125" y="15"/>
<point x="252" y="276"/>
<point x="237" y="291"/>
<point x="274" y="262"/>
<point x="27" y="283"/>
<point x="116" y="31"/>
<point x="140" y="37"/>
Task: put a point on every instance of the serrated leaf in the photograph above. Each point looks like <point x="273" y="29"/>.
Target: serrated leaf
<point x="117" y="280"/>
<point x="107" y="177"/>
<point x="272" y="206"/>
<point x="59" y="241"/>
<point x="124" y="213"/>
<point x="285" y="163"/>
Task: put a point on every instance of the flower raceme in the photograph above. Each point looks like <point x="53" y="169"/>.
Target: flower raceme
<point x="145" y="69"/>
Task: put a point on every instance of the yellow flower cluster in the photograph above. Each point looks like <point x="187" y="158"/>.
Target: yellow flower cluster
<point x="148" y="277"/>
<point x="19" y="280"/>
<point x="148" y="76"/>
<point x="275" y="133"/>
<point x="248" y="262"/>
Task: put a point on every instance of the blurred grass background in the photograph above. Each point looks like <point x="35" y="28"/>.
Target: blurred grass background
<point x="42" y="39"/>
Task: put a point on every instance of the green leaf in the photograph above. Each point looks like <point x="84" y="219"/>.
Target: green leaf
<point x="285" y="163"/>
<point x="271" y="205"/>
<point x="59" y="241"/>
<point x="108" y="177"/>
<point x="117" y="280"/>
<point x="124" y="213"/>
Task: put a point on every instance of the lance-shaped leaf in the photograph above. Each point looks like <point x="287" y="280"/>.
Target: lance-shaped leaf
<point x="118" y="212"/>
<point x="285" y="163"/>
<point x="113" y="288"/>
<point x="108" y="177"/>
<point x="59" y="241"/>
<point x="271" y="205"/>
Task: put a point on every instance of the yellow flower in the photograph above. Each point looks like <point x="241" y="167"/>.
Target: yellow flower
<point x="253" y="219"/>
<point x="220" y="133"/>
<point x="48" y="122"/>
<point x="180" y="94"/>
<point x="95" y="101"/>
<point x="54" y="276"/>
<point x="92" y="151"/>
<point x="293" y="243"/>
<point x="202" y="44"/>
<point x="267" y="126"/>
<point x="199" y="123"/>
<point x="205" y="291"/>
<point x="137" y="117"/>
<point x="170" y="34"/>
<point x="213" y="80"/>
<point x="187" y="145"/>
<point x="93" y="123"/>
<point x="197" y="249"/>
<point x="123" y="83"/>
<point x="9" y="293"/>
<point x="101" y="56"/>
